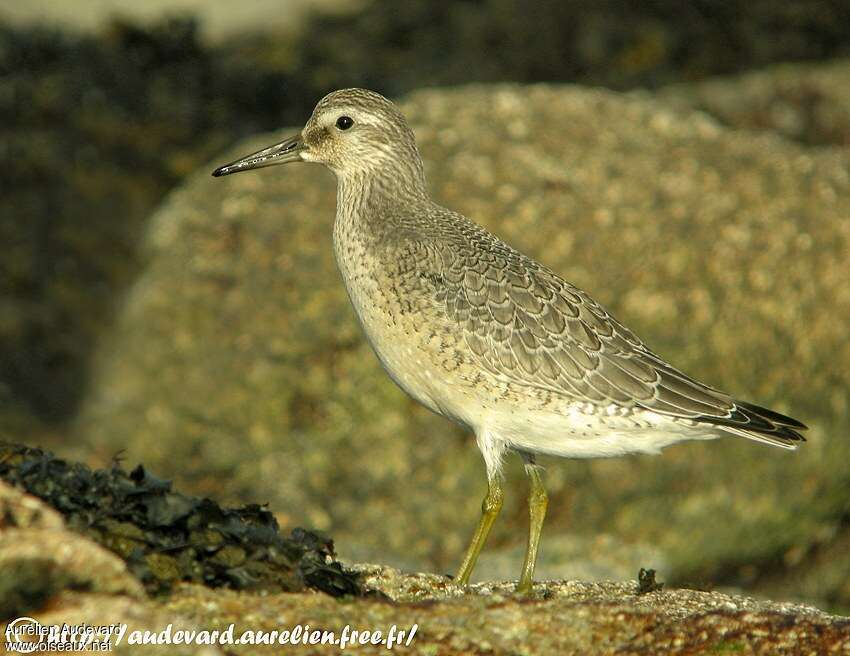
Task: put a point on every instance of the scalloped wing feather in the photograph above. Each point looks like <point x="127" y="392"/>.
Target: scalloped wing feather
<point x="527" y="325"/>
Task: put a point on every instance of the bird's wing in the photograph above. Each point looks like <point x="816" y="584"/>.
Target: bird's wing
<point x="527" y="324"/>
<point x="524" y="323"/>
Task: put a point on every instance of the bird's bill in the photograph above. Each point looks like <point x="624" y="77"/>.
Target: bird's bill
<point x="286" y="151"/>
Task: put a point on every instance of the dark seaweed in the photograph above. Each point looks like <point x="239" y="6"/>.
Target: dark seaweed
<point x="167" y="536"/>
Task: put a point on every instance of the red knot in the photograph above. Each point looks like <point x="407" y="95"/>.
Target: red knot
<point x="486" y="336"/>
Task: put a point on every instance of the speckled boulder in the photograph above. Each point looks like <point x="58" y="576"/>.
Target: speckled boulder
<point x="237" y="366"/>
<point x="807" y="102"/>
<point x="569" y="618"/>
<point x="59" y="576"/>
<point x="40" y="557"/>
<point x="572" y="618"/>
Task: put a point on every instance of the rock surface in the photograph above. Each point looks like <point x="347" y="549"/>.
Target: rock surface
<point x="76" y="581"/>
<point x="237" y="366"/>
<point x="564" y="617"/>
<point x="40" y="557"/>
<point x="167" y="537"/>
<point x="806" y="103"/>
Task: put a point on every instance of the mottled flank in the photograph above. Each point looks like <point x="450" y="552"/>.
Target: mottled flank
<point x="724" y="249"/>
<point x="168" y="537"/>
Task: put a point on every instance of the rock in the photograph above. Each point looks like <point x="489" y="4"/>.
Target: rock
<point x="563" y="617"/>
<point x="237" y="366"/>
<point x="809" y="103"/>
<point x="40" y="557"/>
<point x="122" y="622"/>
<point x="436" y="616"/>
<point x="62" y="577"/>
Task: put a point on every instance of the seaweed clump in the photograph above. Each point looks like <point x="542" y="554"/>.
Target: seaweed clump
<point x="167" y="536"/>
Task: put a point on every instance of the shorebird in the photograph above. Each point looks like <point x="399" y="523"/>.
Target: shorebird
<point x="486" y="336"/>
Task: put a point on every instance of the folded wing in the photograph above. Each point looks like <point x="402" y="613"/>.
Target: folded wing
<point x="526" y="324"/>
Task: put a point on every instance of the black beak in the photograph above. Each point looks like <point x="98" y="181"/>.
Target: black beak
<point x="280" y="153"/>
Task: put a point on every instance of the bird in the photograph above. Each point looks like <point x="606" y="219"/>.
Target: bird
<point x="486" y="336"/>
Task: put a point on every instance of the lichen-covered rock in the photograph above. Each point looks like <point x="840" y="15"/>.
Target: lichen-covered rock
<point x="141" y="617"/>
<point x="436" y="617"/>
<point x="237" y="365"/>
<point x="40" y="557"/>
<point x="563" y="617"/>
<point x="579" y="555"/>
<point x="63" y="578"/>
<point x="809" y="103"/>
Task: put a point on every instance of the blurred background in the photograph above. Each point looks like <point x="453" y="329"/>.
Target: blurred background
<point x="686" y="163"/>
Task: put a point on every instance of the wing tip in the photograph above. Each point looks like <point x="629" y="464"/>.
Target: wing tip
<point x="761" y="424"/>
<point x="772" y="415"/>
<point x="788" y="443"/>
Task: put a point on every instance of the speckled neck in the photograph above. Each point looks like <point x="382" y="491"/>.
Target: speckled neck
<point x="366" y="198"/>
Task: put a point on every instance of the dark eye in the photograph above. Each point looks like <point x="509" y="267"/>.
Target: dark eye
<point x="344" y="122"/>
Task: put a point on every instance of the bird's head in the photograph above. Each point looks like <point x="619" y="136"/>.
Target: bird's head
<point x="353" y="132"/>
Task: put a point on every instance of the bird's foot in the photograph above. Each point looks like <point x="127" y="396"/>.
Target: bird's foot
<point x="525" y="589"/>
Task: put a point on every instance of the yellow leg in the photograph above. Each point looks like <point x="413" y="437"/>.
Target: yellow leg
<point x="490" y="508"/>
<point x="537" y="503"/>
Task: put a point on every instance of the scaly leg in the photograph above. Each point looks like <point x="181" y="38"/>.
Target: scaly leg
<point x="537" y="502"/>
<point x="490" y="508"/>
